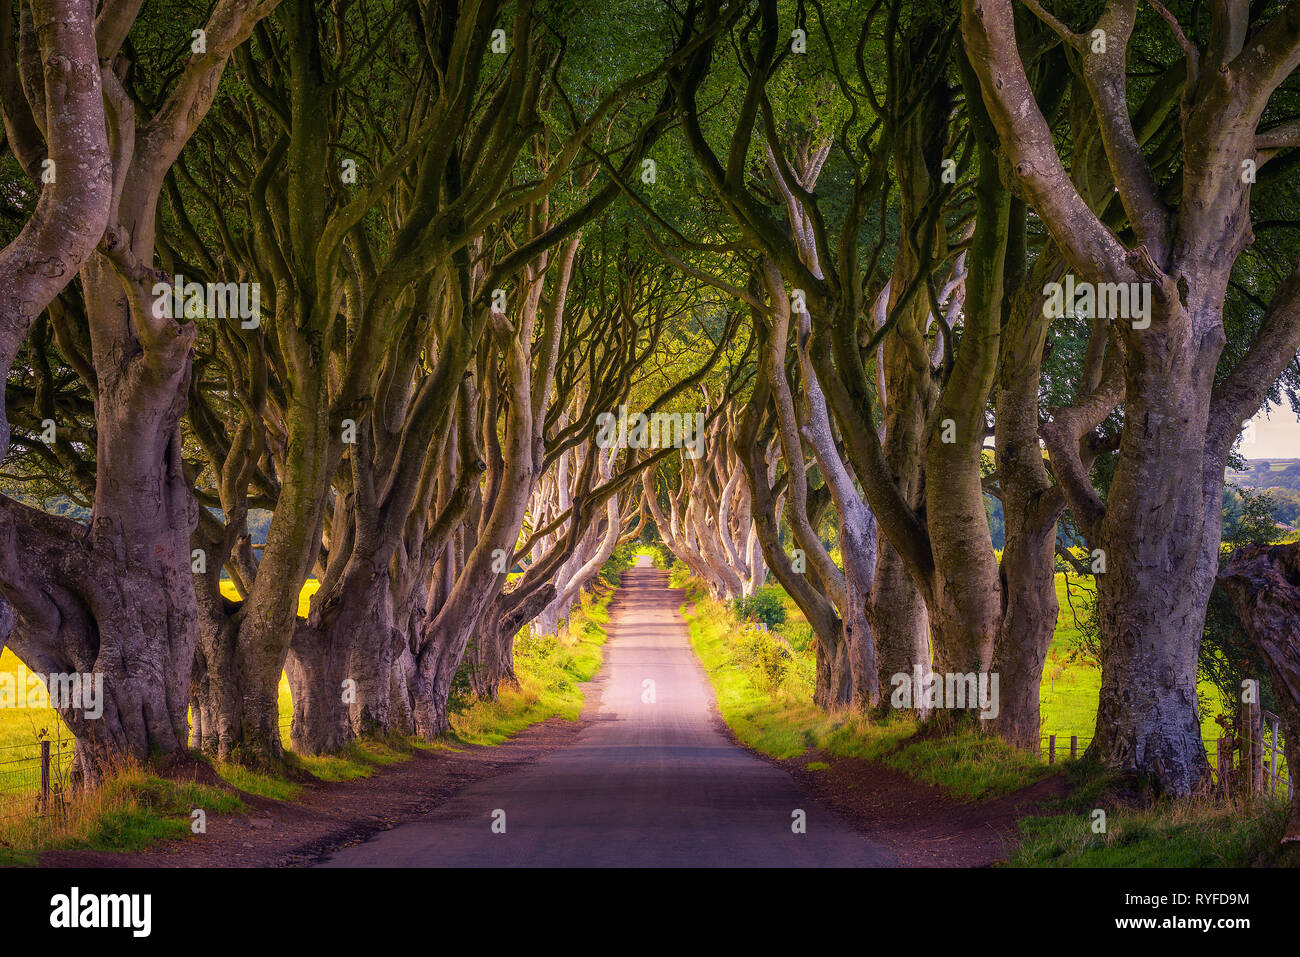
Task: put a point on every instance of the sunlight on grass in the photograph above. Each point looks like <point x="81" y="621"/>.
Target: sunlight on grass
<point x="1194" y="833"/>
<point x="129" y="812"/>
<point x="256" y="782"/>
<point x="549" y="668"/>
<point x="359" y="759"/>
<point x="1071" y="686"/>
<point x="769" y="707"/>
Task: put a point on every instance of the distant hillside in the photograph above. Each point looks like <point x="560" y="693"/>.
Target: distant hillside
<point x="1268" y="473"/>
<point x="1279" y="479"/>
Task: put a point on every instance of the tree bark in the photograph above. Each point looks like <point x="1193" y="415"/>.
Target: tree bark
<point x="340" y="664"/>
<point x="1263" y="583"/>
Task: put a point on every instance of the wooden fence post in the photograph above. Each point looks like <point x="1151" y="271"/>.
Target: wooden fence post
<point x="1051" y="749"/>
<point x="1255" y="736"/>
<point x="1074" y="747"/>
<point x="1224" y="761"/>
<point x="45" y="774"/>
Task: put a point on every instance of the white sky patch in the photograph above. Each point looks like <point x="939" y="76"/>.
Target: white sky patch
<point x="1277" y="435"/>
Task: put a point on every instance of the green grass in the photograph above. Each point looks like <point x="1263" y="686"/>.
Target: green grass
<point x="359" y="759"/>
<point x="774" y="714"/>
<point x="1194" y="833"/>
<point x="549" y="668"/>
<point x="257" y="782"/>
<point x="129" y="812"/>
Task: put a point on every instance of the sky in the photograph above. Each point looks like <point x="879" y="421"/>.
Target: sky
<point x="1277" y="435"/>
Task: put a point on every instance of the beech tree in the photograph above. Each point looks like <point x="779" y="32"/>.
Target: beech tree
<point x="1159" y="528"/>
<point x="1264" y="585"/>
<point x="126" y="607"/>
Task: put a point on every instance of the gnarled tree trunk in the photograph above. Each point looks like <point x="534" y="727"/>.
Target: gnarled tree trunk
<point x="1264" y="585"/>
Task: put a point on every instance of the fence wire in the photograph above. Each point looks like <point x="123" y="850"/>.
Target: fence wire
<point x="1272" y="775"/>
<point x="26" y="779"/>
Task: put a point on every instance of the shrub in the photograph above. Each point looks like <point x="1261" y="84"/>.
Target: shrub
<point x="765" y="606"/>
<point x="624" y="557"/>
<point x="799" y="634"/>
<point x="767" y="656"/>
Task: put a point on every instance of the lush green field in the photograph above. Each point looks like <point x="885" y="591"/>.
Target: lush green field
<point x="1071" y="686"/>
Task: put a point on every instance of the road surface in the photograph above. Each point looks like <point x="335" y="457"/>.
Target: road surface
<point x="653" y="780"/>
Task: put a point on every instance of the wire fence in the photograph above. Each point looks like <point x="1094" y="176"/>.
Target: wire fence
<point x="1266" y="755"/>
<point x="34" y="776"/>
<point x="1056" y="748"/>
<point x="1256" y="762"/>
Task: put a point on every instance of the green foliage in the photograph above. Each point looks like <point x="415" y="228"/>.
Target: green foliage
<point x="661" y="555"/>
<point x="624" y="557"/>
<point x="765" y="606"/>
<point x="768" y="657"/>
<point x="1227" y="657"/>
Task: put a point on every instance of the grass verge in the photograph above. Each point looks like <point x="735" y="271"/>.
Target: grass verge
<point x="129" y="812"/>
<point x="549" y="668"/>
<point x="1102" y="824"/>
<point x="764" y="681"/>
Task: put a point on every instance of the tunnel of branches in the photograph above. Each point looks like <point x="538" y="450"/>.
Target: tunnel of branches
<point x="374" y="293"/>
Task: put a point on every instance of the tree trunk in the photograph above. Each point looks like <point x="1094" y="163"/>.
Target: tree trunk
<point x="1160" y="538"/>
<point x="137" y="611"/>
<point x="491" y="656"/>
<point x="1027" y="627"/>
<point x="1264" y="585"/>
<point x="340" y="664"/>
<point x="1031" y="507"/>
<point x="964" y="595"/>
<point x="443" y="640"/>
<point x="899" y="622"/>
<point x="834" y="686"/>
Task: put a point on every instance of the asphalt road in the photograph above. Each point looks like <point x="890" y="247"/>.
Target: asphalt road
<point x="652" y="781"/>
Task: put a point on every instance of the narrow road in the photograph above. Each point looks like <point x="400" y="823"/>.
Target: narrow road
<point x="653" y="780"/>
